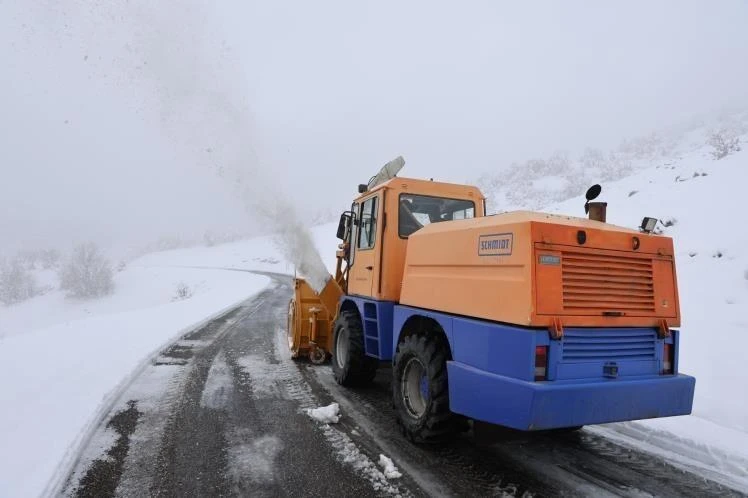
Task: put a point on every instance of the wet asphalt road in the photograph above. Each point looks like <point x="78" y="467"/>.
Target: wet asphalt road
<point x="222" y="413"/>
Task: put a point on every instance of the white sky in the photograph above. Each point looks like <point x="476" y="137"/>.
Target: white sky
<point x="109" y="108"/>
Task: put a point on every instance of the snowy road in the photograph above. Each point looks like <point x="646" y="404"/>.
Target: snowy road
<point x="221" y="413"/>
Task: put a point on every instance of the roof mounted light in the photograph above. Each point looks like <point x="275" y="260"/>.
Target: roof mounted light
<point x="648" y="224"/>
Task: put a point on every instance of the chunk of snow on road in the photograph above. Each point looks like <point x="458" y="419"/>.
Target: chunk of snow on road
<point x="329" y="414"/>
<point x="219" y="385"/>
<point x="390" y="471"/>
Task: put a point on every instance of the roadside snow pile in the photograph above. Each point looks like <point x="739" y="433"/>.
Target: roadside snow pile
<point x="349" y="453"/>
<point x="389" y="469"/>
<point x="329" y="414"/>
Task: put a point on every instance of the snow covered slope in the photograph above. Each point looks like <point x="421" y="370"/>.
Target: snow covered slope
<point x="701" y="204"/>
<point x="538" y="182"/>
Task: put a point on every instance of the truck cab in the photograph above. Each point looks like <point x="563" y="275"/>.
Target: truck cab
<point x="383" y="220"/>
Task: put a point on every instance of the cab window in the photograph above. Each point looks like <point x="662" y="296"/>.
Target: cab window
<point x="367" y="230"/>
<point x="353" y="235"/>
<point x="417" y="211"/>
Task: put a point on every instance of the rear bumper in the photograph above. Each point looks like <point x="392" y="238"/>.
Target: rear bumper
<point x="547" y="405"/>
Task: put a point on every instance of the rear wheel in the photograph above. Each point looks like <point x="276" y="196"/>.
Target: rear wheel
<point x="350" y="365"/>
<point x="420" y="391"/>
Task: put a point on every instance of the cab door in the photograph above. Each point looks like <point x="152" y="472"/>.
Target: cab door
<point x="364" y="247"/>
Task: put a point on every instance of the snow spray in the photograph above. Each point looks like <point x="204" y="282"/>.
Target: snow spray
<point x="181" y="66"/>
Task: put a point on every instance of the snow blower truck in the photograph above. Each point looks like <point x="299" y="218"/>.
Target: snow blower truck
<point x="528" y="320"/>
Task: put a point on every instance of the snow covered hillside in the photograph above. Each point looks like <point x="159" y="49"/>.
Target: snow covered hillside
<point x="538" y="182"/>
<point x="61" y="360"/>
<point x="700" y="202"/>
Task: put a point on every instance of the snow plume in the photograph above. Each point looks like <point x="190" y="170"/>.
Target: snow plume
<point x="205" y="108"/>
<point x="176" y="58"/>
<point x="295" y="242"/>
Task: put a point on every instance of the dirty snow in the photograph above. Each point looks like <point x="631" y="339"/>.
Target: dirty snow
<point x="351" y="455"/>
<point x="255" y="460"/>
<point x="218" y="385"/>
<point x="265" y="378"/>
<point x="388" y="467"/>
<point x="329" y="414"/>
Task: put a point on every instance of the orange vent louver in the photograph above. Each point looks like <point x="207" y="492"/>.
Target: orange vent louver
<point x="594" y="282"/>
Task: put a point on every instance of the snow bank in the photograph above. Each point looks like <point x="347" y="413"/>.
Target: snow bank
<point x="389" y="469"/>
<point x="67" y="362"/>
<point x="329" y="414"/>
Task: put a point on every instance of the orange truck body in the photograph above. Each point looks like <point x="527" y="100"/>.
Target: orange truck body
<point x="602" y="282"/>
<point x="529" y="269"/>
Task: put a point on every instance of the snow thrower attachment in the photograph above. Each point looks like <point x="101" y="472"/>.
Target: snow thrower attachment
<point x="310" y="317"/>
<point x="311" y="314"/>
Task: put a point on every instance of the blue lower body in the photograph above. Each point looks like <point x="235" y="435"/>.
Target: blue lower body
<point x="529" y="405"/>
<point x="492" y="370"/>
<point x="492" y="373"/>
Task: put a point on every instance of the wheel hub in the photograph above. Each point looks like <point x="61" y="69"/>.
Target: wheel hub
<point x="341" y="348"/>
<point x="317" y="355"/>
<point x="415" y="388"/>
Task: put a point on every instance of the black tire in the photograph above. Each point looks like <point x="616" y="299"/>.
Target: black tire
<point x="424" y="418"/>
<point x="355" y="368"/>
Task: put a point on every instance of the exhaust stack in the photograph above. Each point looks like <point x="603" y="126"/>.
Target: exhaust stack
<point x="597" y="210"/>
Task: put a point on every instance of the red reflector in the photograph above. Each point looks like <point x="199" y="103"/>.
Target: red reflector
<point x="667" y="359"/>
<point x="541" y="362"/>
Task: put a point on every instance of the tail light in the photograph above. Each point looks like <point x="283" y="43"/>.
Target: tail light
<point x="668" y="358"/>
<point x="541" y="363"/>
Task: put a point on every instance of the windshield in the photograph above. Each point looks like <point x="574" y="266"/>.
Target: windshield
<point x="416" y="211"/>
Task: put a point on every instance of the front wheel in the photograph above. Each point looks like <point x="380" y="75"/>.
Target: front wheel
<point x="420" y="389"/>
<point x="350" y="365"/>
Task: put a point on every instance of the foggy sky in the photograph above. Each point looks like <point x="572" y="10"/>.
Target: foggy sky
<point x="116" y="119"/>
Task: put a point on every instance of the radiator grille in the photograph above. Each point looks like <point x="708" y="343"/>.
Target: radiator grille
<point x="597" y="283"/>
<point x="609" y="344"/>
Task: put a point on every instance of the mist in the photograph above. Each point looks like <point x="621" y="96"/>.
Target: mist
<point x="129" y="122"/>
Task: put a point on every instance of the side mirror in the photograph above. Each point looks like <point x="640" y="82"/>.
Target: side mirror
<point x="344" y="225"/>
